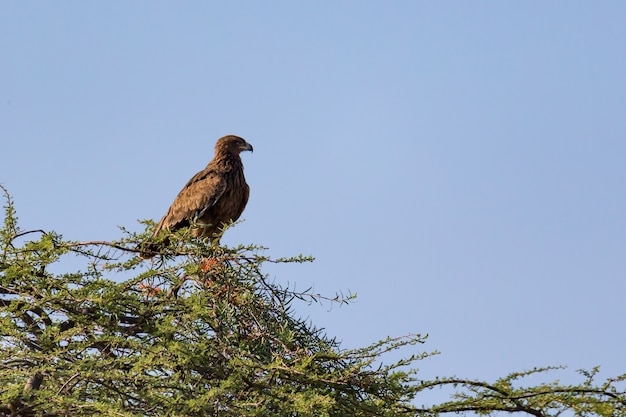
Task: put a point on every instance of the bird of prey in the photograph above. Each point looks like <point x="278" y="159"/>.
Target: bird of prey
<point x="212" y="198"/>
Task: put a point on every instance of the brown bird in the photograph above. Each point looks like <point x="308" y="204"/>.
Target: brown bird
<point x="212" y="198"/>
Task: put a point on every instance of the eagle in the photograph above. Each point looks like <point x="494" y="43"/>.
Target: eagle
<point x="212" y="198"/>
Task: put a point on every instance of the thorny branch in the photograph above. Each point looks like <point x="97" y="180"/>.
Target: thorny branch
<point x="50" y="318"/>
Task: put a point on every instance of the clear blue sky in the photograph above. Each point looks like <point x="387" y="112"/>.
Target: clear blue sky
<point x="459" y="165"/>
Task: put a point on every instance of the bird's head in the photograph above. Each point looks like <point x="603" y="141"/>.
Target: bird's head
<point x="232" y="144"/>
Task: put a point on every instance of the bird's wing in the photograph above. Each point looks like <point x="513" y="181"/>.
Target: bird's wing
<point x="197" y="196"/>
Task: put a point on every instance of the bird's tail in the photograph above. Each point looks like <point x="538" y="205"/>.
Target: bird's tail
<point x="148" y="249"/>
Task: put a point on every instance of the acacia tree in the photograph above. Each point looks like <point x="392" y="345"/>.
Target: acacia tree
<point x="202" y="331"/>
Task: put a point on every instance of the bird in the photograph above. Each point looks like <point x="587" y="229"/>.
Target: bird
<point x="211" y="199"/>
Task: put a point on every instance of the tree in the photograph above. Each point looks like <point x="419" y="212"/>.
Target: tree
<point x="202" y="332"/>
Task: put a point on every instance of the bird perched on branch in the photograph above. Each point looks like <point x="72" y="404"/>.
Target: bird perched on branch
<point x="212" y="198"/>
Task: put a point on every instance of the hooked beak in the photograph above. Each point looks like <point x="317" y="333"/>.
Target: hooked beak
<point x="248" y="147"/>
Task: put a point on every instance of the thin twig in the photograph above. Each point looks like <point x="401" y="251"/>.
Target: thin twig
<point x="67" y="382"/>
<point x="43" y="232"/>
<point x="101" y="243"/>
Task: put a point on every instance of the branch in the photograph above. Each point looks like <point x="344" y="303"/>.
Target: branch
<point x="517" y="399"/>
<point x="99" y="243"/>
<point x="43" y="232"/>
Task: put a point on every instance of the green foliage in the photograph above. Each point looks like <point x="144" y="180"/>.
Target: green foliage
<point x="200" y="331"/>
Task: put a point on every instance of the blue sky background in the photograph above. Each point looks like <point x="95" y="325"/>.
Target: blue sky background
<point x="459" y="165"/>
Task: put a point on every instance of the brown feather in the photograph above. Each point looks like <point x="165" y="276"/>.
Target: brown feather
<point x="212" y="198"/>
